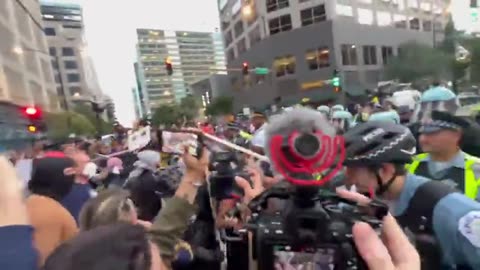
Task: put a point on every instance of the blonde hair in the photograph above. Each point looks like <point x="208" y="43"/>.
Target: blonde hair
<point x="110" y="206"/>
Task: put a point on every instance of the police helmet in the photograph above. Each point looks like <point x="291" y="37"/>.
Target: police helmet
<point x="378" y="142"/>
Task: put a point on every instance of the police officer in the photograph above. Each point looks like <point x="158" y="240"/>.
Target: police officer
<point x="342" y="121"/>
<point x="442" y="222"/>
<point x="443" y="160"/>
<point x="325" y="110"/>
<point x="388" y="116"/>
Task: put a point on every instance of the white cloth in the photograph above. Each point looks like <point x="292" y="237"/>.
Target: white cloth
<point x="259" y="137"/>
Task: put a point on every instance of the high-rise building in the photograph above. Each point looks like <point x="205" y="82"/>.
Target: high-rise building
<point x="74" y="71"/>
<point x="26" y="77"/>
<point x="303" y="42"/>
<point x="193" y="56"/>
<point x="138" y="97"/>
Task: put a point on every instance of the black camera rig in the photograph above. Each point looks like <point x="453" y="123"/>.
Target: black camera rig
<point x="313" y="219"/>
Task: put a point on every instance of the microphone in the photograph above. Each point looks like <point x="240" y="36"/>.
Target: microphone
<point x="302" y="146"/>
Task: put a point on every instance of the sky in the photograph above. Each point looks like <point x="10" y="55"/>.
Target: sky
<point x="110" y="33"/>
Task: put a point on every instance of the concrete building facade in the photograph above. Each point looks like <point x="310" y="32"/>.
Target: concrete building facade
<point x="194" y="56"/>
<point x="26" y="76"/>
<point x="302" y="42"/>
<point x="73" y="67"/>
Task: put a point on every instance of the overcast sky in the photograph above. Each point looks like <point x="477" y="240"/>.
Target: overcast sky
<point x="110" y="32"/>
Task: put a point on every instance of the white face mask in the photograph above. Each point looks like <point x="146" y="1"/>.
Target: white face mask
<point x="90" y="170"/>
<point x="116" y="170"/>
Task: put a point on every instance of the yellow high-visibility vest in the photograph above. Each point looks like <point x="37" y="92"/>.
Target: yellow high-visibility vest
<point x="471" y="183"/>
<point x="246" y="135"/>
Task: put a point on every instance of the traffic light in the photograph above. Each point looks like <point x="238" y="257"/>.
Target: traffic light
<point x="35" y="119"/>
<point x="473" y="3"/>
<point x="32" y="113"/>
<point x="168" y="66"/>
<point x="336" y="79"/>
<point x="32" y="128"/>
<point x="245" y="68"/>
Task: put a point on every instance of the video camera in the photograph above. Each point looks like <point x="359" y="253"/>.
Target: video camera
<point x="314" y="229"/>
<point x="224" y="167"/>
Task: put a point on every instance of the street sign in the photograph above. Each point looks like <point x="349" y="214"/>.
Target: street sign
<point x="474" y="15"/>
<point x="261" y="71"/>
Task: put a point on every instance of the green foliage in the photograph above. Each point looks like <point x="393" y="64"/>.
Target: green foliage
<point x="170" y="114"/>
<point x="189" y="106"/>
<point x="418" y="61"/>
<point x="86" y="110"/>
<point x="58" y="125"/>
<point x="448" y="43"/>
<point x="473" y="46"/>
<point x="166" y="115"/>
<point x="222" y="105"/>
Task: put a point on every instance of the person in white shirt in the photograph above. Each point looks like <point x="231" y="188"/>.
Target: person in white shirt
<point x="259" y="122"/>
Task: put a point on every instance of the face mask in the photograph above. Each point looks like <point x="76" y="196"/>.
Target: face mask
<point x="116" y="170"/>
<point x="90" y="170"/>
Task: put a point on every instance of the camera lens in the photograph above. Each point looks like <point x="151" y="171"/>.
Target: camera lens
<point x="307" y="145"/>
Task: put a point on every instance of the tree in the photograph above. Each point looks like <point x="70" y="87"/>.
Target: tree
<point x="100" y="124"/>
<point x="58" y="125"/>
<point x="167" y="115"/>
<point x="449" y="41"/>
<point x="220" y="106"/>
<point x="418" y="61"/>
<point x="473" y="46"/>
<point x="189" y="107"/>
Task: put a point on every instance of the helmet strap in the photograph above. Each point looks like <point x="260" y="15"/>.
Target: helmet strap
<point x="382" y="188"/>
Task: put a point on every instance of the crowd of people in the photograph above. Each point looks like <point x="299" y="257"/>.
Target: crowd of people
<point x="82" y="206"/>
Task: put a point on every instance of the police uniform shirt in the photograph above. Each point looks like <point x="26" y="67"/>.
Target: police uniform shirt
<point x="439" y="170"/>
<point x="456" y="223"/>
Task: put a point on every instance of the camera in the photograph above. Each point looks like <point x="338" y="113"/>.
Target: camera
<point x="314" y="228"/>
<point x="224" y="167"/>
<point x="312" y="231"/>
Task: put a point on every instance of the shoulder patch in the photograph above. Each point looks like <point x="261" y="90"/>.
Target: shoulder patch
<point x="469" y="226"/>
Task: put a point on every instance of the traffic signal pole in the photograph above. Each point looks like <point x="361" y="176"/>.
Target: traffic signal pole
<point x="64" y="93"/>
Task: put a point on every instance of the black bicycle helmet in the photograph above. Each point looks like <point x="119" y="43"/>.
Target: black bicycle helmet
<point x="374" y="143"/>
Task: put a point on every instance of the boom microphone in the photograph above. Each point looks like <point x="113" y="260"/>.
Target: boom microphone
<point x="302" y="146"/>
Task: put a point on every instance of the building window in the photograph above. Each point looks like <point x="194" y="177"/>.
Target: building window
<point x="238" y="28"/>
<point x="414" y="24"/>
<point x="344" y="10"/>
<point x="369" y="55"/>
<point x="67" y="51"/>
<point x="73" y="77"/>
<point x="384" y="18"/>
<point x="280" y="24"/>
<point x="387" y="53"/>
<point x="52" y="51"/>
<point x="230" y="55"/>
<point x="70" y="64"/>
<point x="228" y="38"/>
<point x="255" y="36"/>
<point x="75" y="89"/>
<point x="57" y="78"/>
<point x="241" y="46"/>
<point x="400" y="21"/>
<point x="318" y="58"/>
<point x="284" y="65"/>
<point x="365" y="16"/>
<point x="349" y="55"/>
<point x="273" y="5"/>
<point x="427" y="26"/>
<point x="313" y="15"/>
<point x="49" y="31"/>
